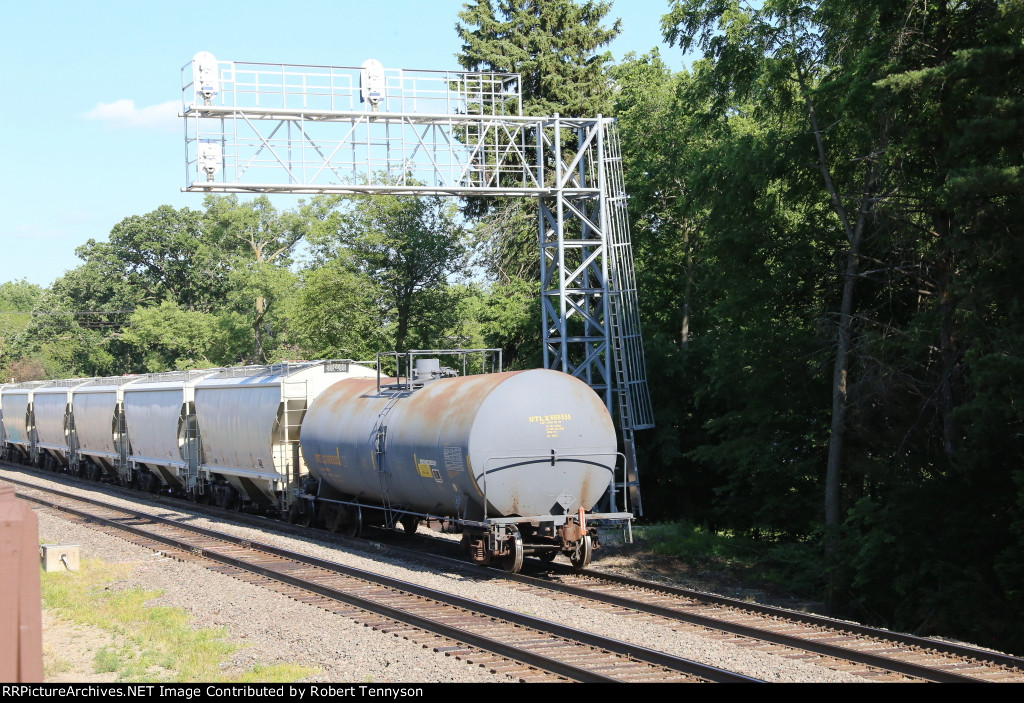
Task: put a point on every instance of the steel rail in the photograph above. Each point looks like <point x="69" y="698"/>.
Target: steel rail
<point x="560" y="668"/>
<point x="796" y="642"/>
<point x="997" y="658"/>
<point x="932" y="674"/>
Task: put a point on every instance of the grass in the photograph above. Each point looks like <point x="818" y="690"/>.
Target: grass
<point x="54" y="664"/>
<point x="149" y="643"/>
<point x="791" y="566"/>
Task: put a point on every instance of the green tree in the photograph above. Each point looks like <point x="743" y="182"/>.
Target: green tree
<point x="173" y="338"/>
<point x="552" y="44"/>
<point x="259" y="240"/>
<point x="863" y="176"/>
<point x="408" y="248"/>
<point x="17" y="299"/>
<point x="774" y="55"/>
<point x="166" y="254"/>
<point x="336" y="314"/>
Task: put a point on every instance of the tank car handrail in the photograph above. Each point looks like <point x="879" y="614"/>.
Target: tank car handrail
<point x="410" y="354"/>
<point x="485" y="522"/>
<point x="23" y="386"/>
<point x="536" y="460"/>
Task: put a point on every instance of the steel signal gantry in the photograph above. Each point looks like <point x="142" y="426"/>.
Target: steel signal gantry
<point x="278" y="128"/>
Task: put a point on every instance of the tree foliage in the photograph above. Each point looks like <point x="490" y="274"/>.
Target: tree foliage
<point x="552" y="44"/>
<point x="399" y="251"/>
<point x="851" y="171"/>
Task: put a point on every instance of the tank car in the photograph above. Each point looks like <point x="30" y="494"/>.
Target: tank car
<point x="514" y="461"/>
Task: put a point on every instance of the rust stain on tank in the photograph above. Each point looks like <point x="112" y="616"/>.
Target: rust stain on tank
<point x="455" y="413"/>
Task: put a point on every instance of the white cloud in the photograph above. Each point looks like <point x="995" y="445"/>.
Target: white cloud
<point x="123" y="113"/>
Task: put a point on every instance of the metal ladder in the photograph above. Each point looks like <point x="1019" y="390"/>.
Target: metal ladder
<point x="380" y="438"/>
<point x="192" y="448"/>
<point x="629" y="387"/>
<point x="286" y="454"/>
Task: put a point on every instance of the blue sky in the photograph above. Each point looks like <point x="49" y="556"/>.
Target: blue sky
<point x="91" y="93"/>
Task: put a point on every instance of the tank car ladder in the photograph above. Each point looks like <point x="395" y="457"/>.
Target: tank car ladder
<point x="380" y="440"/>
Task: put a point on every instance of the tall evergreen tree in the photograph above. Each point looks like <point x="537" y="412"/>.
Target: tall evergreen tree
<point x="553" y="44"/>
<point x="556" y="45"/>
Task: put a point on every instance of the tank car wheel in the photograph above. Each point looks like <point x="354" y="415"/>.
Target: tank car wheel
<point x="306" y="517"/>
<point x="352" y="522"/>
<point x="409" y="524"/>
<point x="547" y="557"/>
<point x="513" y="561"/>
<point x="334" y="517"/>
<point x="580" y="558"/>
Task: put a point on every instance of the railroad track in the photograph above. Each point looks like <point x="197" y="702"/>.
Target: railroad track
<point x="826" y="641"/>
<point x="873" y="653"/>
<point x="515" y="644"/>
<point x="869" y="652"/>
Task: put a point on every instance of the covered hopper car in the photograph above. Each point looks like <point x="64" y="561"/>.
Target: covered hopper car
<point x="514" y="461"/>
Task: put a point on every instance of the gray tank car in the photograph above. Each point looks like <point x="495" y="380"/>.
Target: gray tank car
<point x="514" y="459"/>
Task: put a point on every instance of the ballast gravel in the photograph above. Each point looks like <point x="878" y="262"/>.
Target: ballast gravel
<point x="274" y="628"/>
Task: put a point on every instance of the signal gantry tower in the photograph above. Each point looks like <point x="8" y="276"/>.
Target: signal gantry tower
<point x="279" y="128"/>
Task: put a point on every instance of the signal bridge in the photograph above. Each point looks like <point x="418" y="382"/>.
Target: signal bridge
<point x="278" y="128"/>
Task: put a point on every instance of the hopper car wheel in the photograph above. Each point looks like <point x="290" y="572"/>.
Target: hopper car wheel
<point x="513" y="561"/>
<point x="580" y="558"/>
